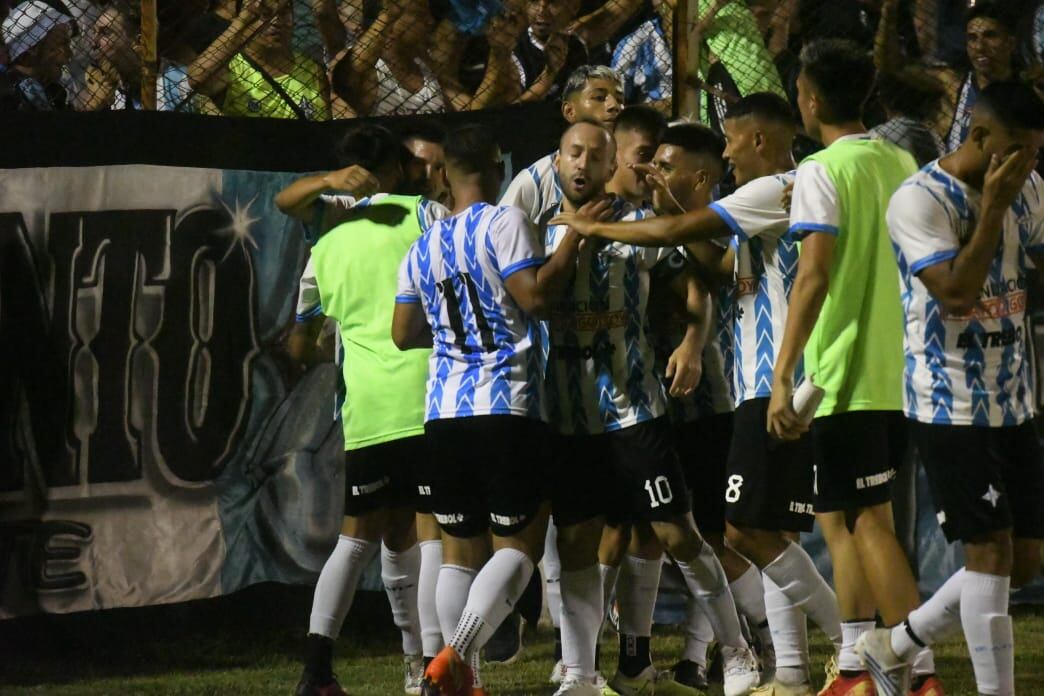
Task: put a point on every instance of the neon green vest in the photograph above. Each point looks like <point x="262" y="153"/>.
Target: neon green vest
<point x="250" y="94"/>
<point x="856" y="348"/>
<point x="356" y="268"/>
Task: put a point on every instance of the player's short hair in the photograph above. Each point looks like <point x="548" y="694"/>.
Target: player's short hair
<point x="697" y="139"/>
<point x="370" y="146"/>
<point x="579" y="78"/>
<point x="843" y="74"/>
<point x="989" y="9"/>
<point x="642" y="119"/>
<point x="470" y="148"/>
<point x="424" y="130"/>
<point x="767" y="106"/>
<point x="1015" y="104"/>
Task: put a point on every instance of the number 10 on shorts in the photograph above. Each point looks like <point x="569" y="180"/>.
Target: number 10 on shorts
<point x="659" y="490"/>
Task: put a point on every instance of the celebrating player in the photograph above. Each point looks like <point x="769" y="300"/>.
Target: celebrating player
<point x="965" y="229"/>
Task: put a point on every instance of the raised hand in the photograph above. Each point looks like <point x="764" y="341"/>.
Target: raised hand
<point x="1006" y="177"/>
<point x="355" y="180"/>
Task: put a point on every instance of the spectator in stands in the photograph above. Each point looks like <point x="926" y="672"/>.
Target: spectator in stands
<point x="37" y="39"/>
<point x="194" y="44"/>
<point x="387" y="71"/>
<point x="733" y="60"/>
<point x="906" y="108"/>
<point x="547" y="55"/>
<point x="991" y="52"/>
<point x="644" y="61"/>
<point x="269" y="78"/>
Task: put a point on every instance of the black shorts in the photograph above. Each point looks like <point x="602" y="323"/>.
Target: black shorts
<point x="856" y="455"/>
<point x="624" y="475"/>
<point x="703" y="449"/>
<point x="489" y="473"/>
<point x="383" y="476"/>
<point x="983" y="479"/>
<point x="769" y="484"/>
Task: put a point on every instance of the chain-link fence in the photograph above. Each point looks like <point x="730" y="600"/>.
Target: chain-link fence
<point x="322" y="59"/>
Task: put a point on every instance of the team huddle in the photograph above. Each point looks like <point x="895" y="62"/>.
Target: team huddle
<point x="617" y="364"/>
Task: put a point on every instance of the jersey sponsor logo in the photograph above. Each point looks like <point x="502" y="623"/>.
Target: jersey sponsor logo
<point x="588" y="321"/>
<point x="367" y="488"/>
<point x="997" y="307"/>
<point x="874" y="480"/>
<point x="746" y="286"/>
<point x="990" y="339"/>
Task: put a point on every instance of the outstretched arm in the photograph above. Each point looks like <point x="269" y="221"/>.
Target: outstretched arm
<point x="297" y="199"/>
<point x="662" y="231"/>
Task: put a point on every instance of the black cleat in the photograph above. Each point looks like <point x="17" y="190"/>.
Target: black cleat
<point x="314" y="686"/>
<point x="691" y="674"/>
<point x="505" y="645"/>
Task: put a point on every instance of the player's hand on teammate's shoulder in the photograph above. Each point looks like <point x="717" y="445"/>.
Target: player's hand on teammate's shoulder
<point x="788" y="196"/>
<point x="1005" y="178"/>
<point x="356" y="180"/>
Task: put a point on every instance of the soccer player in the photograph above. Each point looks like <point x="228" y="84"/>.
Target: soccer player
<point x="966" y="229"/>
<point x="472" y="285"/>
<point x="591" y="92"/>
<point x="616" y="450"/>
<point x="424" y="171"/>
<point x="769" y="483"/>
<point x="382" y="417"/>
<point x="637" y="133"/>
<point x="845" y="318"/>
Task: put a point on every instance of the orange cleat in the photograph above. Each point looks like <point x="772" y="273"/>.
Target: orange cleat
<point x="448" y="675"/>
<point x="478" y="691"/>
<point x="860" y="685"/>
<point x="931" y="686"/>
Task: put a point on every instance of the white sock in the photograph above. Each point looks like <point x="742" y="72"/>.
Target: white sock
<point x="988" y="630"/>
<point x="796" y="576"/>
<point x="492" y="597"/>
<point x="427" y="609"/>
<point x="924" y="663"/>
<point x="705" y="578"/>
<point x="931" y="621"/>
<point x="609" y="576"/>
<point x="698" y="632"/>
<point x="400" y="572"/>
<point x="847" y="659"/>
<point x="749" y="593"/>
<point x="553" y="576"/>
<point x="581" y="617"/>
<point x="789" y="636"/>
<point x="336" y="586"/>
<point x="476" y="665"/>
<point x="451" y="596"/>
<point x="636" y="594"/>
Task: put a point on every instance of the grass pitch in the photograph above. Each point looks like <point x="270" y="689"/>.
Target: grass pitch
<point x="251" y="643"/>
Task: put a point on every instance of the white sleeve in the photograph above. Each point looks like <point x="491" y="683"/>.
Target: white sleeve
<point x="921" y="228"/>
<point x="309" y="304"/>
<point x="524" y="193"/>
<point x="1033" y="192"/>
<point x="814" y="206"/>
<point x="514" y="242"/>
<point x="755" y="209"/>
<point x="429" y="212"/>
<point x="407" y="292"/>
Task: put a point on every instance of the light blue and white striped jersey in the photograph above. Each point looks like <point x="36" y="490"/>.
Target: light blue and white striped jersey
<point x="536" y="190"/>
<point x="974" y="369"/>
<point x="601" y="369"/>
<point x="765" y="268"/>
<point x="487" y="357"/>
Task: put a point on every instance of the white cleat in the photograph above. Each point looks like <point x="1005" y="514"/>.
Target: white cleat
<point x="890" y="674"/>
<point x="575" y="686"/>
<point x="740" y="670"/>
<point x="413" y="668"/>
<point x="558" y="673"/>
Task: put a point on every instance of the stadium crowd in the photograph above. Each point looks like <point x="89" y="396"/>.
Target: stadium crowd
<point x="324" y="59"/>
